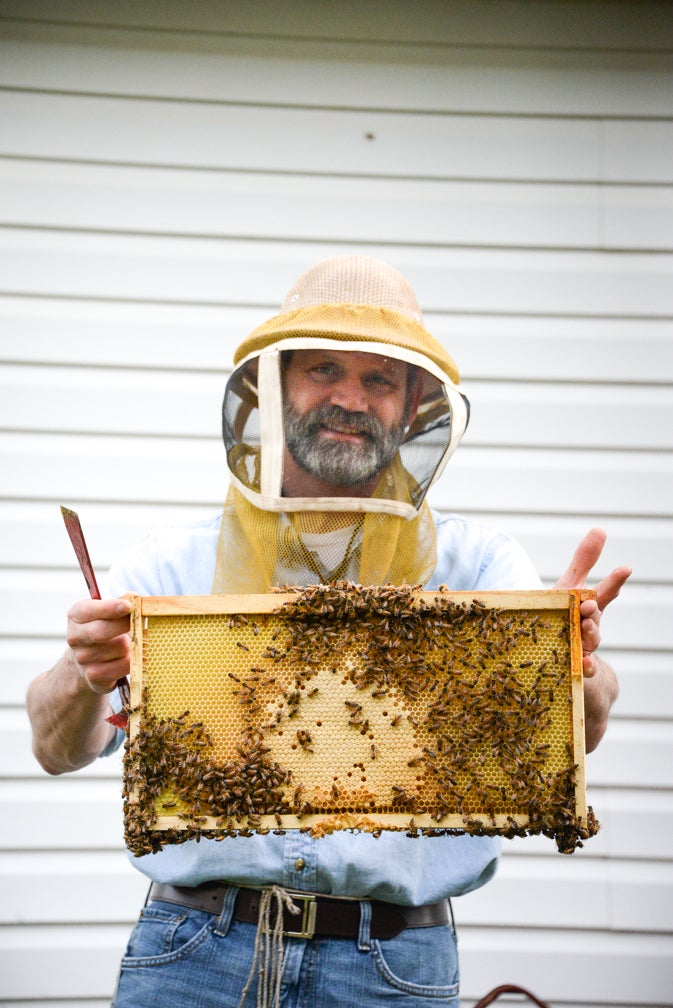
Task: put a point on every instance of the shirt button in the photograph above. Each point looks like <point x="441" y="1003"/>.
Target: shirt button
<point x="299" y="864"/>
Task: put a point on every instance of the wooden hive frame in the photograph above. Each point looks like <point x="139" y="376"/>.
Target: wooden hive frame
<point x="342" y="707"/>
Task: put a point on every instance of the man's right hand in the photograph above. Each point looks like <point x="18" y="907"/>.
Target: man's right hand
<point x="98" y="636"/>
<point x="67" y="705"/>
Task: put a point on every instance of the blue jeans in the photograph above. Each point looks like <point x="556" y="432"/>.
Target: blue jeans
<point x="183" y="958"/>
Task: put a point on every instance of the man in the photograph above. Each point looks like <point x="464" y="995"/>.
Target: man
<point x="340" y="413"/>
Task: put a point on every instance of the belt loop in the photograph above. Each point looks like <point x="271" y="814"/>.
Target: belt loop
<point x="364" y="936"/>
<point x="224" y="920"/>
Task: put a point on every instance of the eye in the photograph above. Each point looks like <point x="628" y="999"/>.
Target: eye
<point x="377" y="381"/>
<point x="324" y="372"/>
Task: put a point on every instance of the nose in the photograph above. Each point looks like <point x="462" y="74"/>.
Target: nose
<point x="349" y="394"/>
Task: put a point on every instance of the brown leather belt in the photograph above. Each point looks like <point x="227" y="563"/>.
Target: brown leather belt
<point x="321" y="916"/>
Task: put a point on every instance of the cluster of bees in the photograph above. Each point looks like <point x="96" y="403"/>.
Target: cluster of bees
<point x="372" y="708"/>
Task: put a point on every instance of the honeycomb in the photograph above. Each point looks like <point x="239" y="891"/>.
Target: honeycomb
<point x="342" y="707"/>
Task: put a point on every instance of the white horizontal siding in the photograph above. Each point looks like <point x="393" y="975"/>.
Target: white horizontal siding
<point x="148" y="268"/>
<point x="227" y="136"/>
<point x="204" y="337"/>
<point x="435" y="212"/>
<point x="586" y="967"/>
<point x="187" y="405"/>
<point x="166" y="170"/>
<point x="505" y="81"/>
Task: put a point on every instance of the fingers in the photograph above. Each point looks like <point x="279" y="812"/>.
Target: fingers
<point x="98" y="638"/>
<point x="609" y="588"/>
<point x="591" y="611"/>
<point x="584" y="559"/>
<point x="589" y="666"/>
<point x="93" y="611"/>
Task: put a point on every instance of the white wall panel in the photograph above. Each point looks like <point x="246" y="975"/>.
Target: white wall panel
<point x="202" y="337"/>
<point x="112" y="401"/>
<point x="590" y="482"/>
<point x="633" y="754"/>
<point x="579" y="968"/>
<point x="71" y="887"/>
<point x="398" y="74"/>
<point x="80" y="815"/>
<point x="625" y="151"/>
<point x="191" y="270"/>
<point x="76" y="962"/>
<point x="242" y="137"/>
<point x="448" y="81"/>
<point x="113" y="469"/>
<point x="174" y="404"/>
<point x="550" y="540"/>
<point x="250" y="204"/>
<point x="18" y="759"/>
<point x="644" y="685"/>
<point x="292" y="206"/>
<point x="198" y="337"/>
<point x="534" y="891"/>
<point x="32" y="534"/>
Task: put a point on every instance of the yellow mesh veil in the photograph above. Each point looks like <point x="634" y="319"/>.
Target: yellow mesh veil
<point x="271" y="540"/>
<point x="385" y="548"/>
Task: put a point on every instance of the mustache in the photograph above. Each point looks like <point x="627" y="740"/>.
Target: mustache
<point x="350" y="420"/>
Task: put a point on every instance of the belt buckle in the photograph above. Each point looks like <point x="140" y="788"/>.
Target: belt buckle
<point x="308" y="915"/>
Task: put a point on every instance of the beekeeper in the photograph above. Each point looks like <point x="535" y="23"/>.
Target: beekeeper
<point x="339" y="415"/>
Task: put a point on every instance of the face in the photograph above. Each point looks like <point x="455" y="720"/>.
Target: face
<point x="345" y="414"/>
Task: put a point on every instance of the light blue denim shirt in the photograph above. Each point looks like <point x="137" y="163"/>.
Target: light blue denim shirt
<point x="391" y="867"/>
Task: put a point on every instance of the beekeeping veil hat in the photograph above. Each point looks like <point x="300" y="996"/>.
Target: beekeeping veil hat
<point x="270" y="535"/>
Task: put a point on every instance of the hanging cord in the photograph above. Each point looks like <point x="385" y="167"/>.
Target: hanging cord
<point x="268" y="952"/>
<point x="337" y="573"/>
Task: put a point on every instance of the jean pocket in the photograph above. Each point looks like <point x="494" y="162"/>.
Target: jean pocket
<point x="421" y="962"/>
<point x="165" y="933"/>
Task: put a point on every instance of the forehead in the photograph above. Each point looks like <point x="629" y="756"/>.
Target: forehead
<point x="356" y="361"/>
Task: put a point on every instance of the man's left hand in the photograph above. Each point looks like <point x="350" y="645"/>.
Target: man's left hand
<point x="600" y="683"/>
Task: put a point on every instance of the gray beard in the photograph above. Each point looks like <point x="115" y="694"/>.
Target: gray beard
<point x="336" y="462"/>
